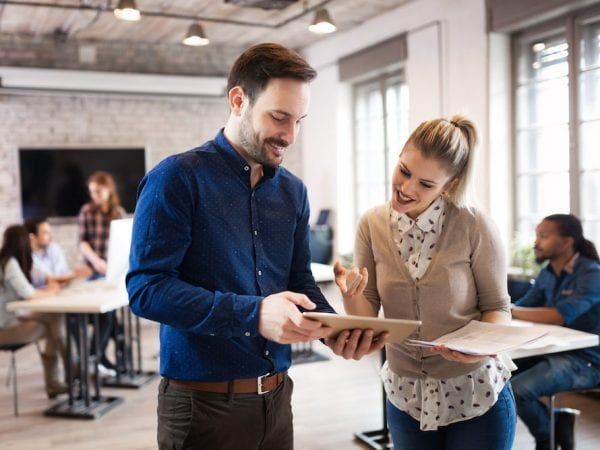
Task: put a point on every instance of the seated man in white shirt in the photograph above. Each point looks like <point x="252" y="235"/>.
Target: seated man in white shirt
<point x="49" y="261"/>
<point x="49" y="264"/>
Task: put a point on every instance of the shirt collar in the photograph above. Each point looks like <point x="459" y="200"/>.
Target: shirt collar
<point x="570" y="265"/>
<point x="426" y="221"/>
<point x="235" y="160"/>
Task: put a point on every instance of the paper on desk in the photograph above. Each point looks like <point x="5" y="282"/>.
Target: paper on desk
<point x="484" y="338"/>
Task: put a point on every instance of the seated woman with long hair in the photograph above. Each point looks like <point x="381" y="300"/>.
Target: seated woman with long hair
<point x="15" y="284"/>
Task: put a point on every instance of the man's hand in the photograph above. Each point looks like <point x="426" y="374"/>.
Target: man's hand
<point x="354" y="344"/>
<point x="281" y="321"/>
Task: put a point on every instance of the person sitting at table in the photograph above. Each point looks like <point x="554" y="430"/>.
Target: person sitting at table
<point x="566" y="292"/>
<point x="49" y="262"/>
<point x="15" y="284"/>
<point x="94" y="229"/>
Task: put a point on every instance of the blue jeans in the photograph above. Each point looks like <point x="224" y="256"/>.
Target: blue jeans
<point x="494" y="430"/>
<point x="547" y="375"/>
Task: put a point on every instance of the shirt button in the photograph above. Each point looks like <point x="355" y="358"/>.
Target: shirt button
<point x="255" y="233"/>
<point x="260" y="272"/>
<point x="267" y="352"/>
<point x="246" y="168"/>
<point x="247" y="333"/>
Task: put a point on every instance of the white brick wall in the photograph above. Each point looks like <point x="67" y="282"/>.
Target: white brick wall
<point x="163" y="125"/>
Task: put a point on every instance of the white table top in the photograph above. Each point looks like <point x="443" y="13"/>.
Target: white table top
<point x="558" y="339"/>
<point x="84" y="298"/>
<point x="322" y="272"/>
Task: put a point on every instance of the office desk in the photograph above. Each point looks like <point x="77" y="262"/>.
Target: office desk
<point x="302" y="352"/>
<point x="79" y="303"/>
<point x="323" y="273"/>
<point x="557" y="339"/>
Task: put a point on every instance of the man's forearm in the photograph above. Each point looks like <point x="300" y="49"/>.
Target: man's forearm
<point x="539" y="314"/>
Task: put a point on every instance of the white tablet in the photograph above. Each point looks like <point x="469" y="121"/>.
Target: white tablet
<point x="399" y="329"/>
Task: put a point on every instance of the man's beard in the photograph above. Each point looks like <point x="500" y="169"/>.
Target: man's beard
<point x="250" y="142"/>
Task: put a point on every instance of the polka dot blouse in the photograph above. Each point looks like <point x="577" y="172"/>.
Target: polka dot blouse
<point x="434" y="402"/>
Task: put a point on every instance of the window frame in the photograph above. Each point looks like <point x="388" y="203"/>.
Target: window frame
<point x="572" y="24"/>
<point x="382" y="80"/>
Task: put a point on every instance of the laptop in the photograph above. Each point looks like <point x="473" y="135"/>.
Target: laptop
<point x="117" y="260"/>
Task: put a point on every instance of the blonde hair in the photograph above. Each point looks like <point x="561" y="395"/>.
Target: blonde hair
<point x="451" y="142"/>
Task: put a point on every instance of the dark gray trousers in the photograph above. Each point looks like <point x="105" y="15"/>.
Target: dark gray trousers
<point x="194" y="420"/>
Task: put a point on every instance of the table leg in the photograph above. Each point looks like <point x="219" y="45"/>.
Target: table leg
<point x="378" y="439"/>
<point x="133" y="377"/>
<point x="82" y="406"/>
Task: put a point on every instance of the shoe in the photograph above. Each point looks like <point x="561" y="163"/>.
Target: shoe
<point x="564" y="427"/>
<point x="103" y="371"/>
<point x="55" y="389"/>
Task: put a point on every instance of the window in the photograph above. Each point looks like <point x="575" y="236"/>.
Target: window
<point x="380" y="130"/>
<point x="557" y="105"/>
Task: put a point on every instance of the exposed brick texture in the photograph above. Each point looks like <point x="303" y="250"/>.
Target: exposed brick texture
<point x="163" y="125"/>
<point x="116" y="56"/>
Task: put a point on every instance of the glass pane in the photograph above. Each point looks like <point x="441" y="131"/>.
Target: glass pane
<point x="545" y="149"/>
<point x="589" y="85"/>
<point x="591" y="231"/>
<point x="589" y="156"/>
<point x="526" y="229"/>
<point x="370" y="168"/>
<point x="590" y="188"/>
<point x="541" y="195"/>
<point x="543" y="58"/>
<point x="590" y="45"/>
<point x="543" y="103"/>
<point x="369" y="195"/>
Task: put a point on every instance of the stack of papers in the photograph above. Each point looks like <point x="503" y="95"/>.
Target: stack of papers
<point x="484" y="338"/>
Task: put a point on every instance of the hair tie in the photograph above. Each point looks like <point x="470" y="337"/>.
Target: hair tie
<point x="455" y="123"/>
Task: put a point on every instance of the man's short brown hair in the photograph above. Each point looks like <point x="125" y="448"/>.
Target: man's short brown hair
<point x="258" y="64"/>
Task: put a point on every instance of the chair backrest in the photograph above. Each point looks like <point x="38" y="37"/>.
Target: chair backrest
<point x="321" y="244"/>
<point x="13" y="347"/>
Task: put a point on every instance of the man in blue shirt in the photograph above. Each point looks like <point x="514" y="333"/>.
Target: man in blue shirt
<point x="220" y="257"/>
<point x="567" y="293"/>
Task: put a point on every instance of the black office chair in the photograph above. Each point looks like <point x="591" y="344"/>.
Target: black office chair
<point x="12" y="371"/>
<point x="518" y="287"/>
<point x="321" y="244"/>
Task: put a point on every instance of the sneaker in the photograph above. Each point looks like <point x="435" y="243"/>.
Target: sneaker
<point x="105" y="372"/>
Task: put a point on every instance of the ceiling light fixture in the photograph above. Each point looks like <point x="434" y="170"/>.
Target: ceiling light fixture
<point x="127" y="10"/>
<point x="322" y="23"/>
<point x="195" y="36"/>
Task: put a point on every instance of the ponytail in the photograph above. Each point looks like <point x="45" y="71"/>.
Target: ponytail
<point x="588" y="249"/>
<point x="570" y="226"/>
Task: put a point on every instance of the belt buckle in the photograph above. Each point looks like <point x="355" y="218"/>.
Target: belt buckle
<point x="259" y="381"/>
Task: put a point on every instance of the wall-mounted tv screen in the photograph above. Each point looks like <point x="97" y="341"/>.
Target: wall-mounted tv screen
<point x="54" y="180"/>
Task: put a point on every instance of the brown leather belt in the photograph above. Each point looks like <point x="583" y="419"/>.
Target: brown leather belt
<point x="259" y="385"/>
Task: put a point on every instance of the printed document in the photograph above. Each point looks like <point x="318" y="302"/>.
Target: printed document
<point x="484" y="338"/>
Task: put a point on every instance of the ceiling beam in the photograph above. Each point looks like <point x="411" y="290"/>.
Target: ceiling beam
<point x="189" y="17"/>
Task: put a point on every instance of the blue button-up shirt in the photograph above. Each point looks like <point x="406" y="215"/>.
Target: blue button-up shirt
<point x="206" y="249"/>
<point x="575" y="293"/>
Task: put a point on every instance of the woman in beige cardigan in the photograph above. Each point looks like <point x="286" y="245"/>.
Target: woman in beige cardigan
<point x="426" y="256"/>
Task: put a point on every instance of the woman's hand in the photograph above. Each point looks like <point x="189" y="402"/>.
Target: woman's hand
<point x="99" y="266"/>
<point x="352" y="282"/>
<point x="354" y="344"/>
<point x="453" y="355"/>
